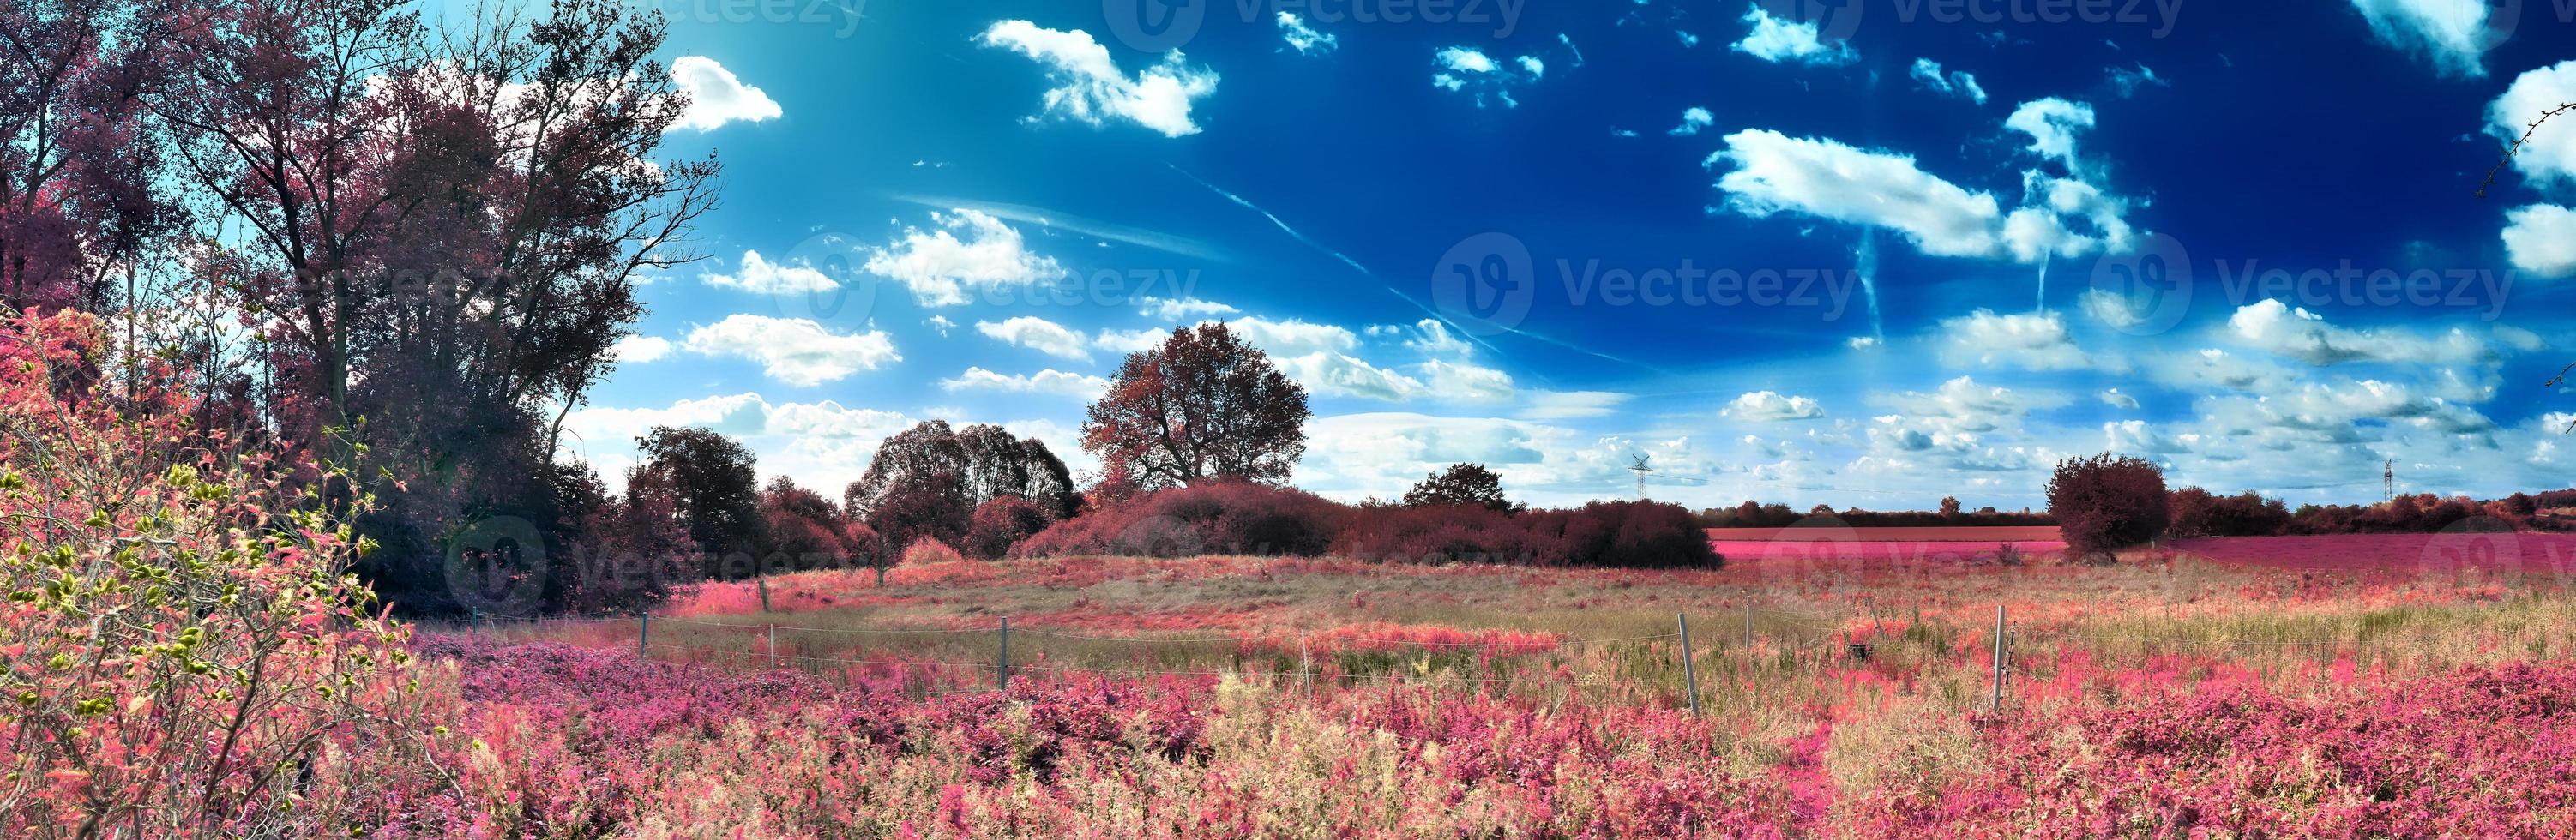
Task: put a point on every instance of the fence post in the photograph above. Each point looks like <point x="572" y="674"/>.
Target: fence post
<point x="643" y="634"/>
<point x="1002" y="666"/>
<point x="1999" y="658"/>
<point x="763" y="583"/>
<point x="1690" y="673"/>
<point x="1305" y="667"/>
<point x="773" y="647"/>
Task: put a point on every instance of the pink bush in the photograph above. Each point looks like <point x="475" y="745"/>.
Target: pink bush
<point x="1210" y="517"/>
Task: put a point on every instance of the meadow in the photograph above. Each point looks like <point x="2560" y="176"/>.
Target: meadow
<point x="2404" y="685"/>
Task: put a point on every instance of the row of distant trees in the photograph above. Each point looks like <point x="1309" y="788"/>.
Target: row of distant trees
<point x="1752" y="514"/>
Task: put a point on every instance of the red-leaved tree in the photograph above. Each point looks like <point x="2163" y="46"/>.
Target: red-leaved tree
<point x="2107" y="502"/>
<point x="1202" y="404"/>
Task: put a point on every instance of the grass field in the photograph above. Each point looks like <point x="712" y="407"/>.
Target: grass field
<point x="2171" y="691"/>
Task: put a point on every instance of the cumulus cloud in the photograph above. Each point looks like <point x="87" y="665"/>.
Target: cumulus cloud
<point x="820" y="444"/>
<point x="2030" y="341"/>
<point x="2297" y="333"/>
<point x="1089" y="87"/>
<point x="2114" y="398"/>
<point x="1428" y="336"/>
<point x="1037" y="334"/>
<point x="1693" y="120"/>
<point x="1048" y="381"/>
<point x="760" y="276"/>
<point x="1175" y="309"/>
<point x="1293" y="337"/>
<point x="1303" y="38"/>
<point x="1336" y="374"/>
<point x="1773" y="173"/>
<point x="1961" y="84"/>
<point x="638" y="349"/>
<point x="1774" y="40"/>
<point x="794" y="350"/>
<point x="1772" y="407"/>
<point x="716" y="97"/>
<point x="2453" y="33"/>
<point x="2541" y="239"/>
<point x="1130" y="341"/>
<point x="1465" y="382"/>
<point x="1470" y="70"/>
<point x="2550" y="156"/>
<point x="940" y="266"/>
<point x="2053" y="125"/>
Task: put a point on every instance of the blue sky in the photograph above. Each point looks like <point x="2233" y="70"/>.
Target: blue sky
<point x="1795" y="250"/>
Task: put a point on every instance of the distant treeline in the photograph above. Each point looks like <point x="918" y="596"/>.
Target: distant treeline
<point x="2200" y="513"/>
<point x="1757" y="515"/>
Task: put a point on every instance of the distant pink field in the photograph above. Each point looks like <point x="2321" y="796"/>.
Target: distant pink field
<point x="1988" y="535"/>
<point x="2523" y="552"/>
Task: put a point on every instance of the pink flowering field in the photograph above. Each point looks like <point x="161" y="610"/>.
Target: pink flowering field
<point x="2174" y="694"/>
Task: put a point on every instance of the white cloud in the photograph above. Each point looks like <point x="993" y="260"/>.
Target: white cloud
<point x="1962" y="84"/>
<point x="1335" y="374"/>
<point x="1176" y="309"/>
<point x="2453" y="33"/>
<point x="822" y="445"/>
<point x="1461" y="381"/>
<point x="2550" y="157"/>
<point x="1089" y="87"/>
<point x="2109" y="308"/>
<point x="2030" y="341"/>
<point x="1775" y="40"/>
<point x="1293" y="337"/>
<point x="940" y="268"/>
<point x="1037" y="334"/>
<point x="2541" y="239"/>
<point x="1692" y="121"/>
<point x="2052" y="124"/>
<point x="939" y="323"/>
<point x="1772" y="407"/>
<point x="1048" y="381"/>
<point x="638" y="349"/>
<point x="2066" y="218"/>
<point x="2115" y="399"/>
<point x="794" y="350"/>
<point x="2127" y="80"/>
<point x="1303" y="38"/>
<point x="1428" y="336"/>
<point x="2297" y="333"/>
<point x="1470" y="70"/>
<point x="760" y="276"/>
<point x="716" y="97"/>
<point x="1773" y="173"/>
<point x="1130" y="341"/>
<point x="1568" y="405"/>
<point x="2135" y="437"/>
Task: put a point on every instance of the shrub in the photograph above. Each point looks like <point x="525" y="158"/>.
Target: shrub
<point x="1461" y="484"/>
<point x="927" y="550"/>
<point x="1461" y="533"/>
<point x="1645" y="535"/>
<point x="2107" y="502"/>
<point x="183" y="649"/>
<point x="1002" y="523"/>
<point x="1210" y="517"/>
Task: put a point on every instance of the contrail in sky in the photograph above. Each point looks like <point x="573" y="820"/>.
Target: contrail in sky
<point x="1390" y="288"/>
